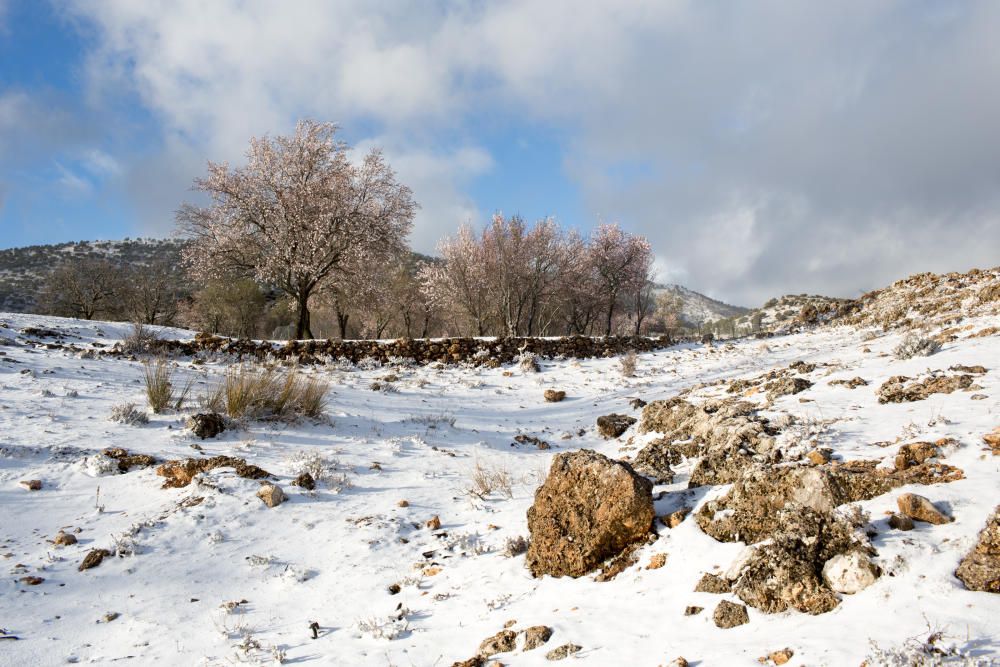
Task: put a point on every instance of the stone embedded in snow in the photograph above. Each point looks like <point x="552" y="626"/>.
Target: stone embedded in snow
<point x="900" y="522"/>
<point x="207" y="424"/>
<point x="919" y="508"/>
<point x="535" y="636"/>
<point x="554" y="395"/>
<point x="849" y="573"/>
<point x="613" y="425"/>
<point x="63" y="539"/>
<point x="31" y="484"/>
<point x="730" y="615"/>
<point x="502" y="642"/>
<point x="563" y="651"/>
<point x="590" y="508"/>
<point x="271" y="494"/>
<point x="980" y="569"/>
<point x="712" y="583"/>
<point x="93" y="558"/>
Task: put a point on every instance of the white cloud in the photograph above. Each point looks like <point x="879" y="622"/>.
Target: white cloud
<point x="791" y="147"/>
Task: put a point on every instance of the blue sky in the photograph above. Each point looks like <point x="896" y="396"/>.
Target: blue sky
<point x="763" y="147"/>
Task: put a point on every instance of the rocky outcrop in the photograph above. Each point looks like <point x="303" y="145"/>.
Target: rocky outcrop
<point x="903" y="389"/>
<point x="589" y="509"/>
<point x="180" y="473"/>
<point x="980" y="569"/>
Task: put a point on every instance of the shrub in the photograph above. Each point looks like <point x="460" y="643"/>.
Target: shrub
<point x="528" y="362"/>
<point x="141" y="340"/>
<point x="487" y="480"/>
<point x="915" y="346"/>
<point x="628" y="362"/>
<point x="126" y="413"/>
<point x="256" y="392"/>
<point x="160" y="392"/>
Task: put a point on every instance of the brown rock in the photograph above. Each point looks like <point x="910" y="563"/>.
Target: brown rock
<point x="819" y="456"/>
<point x="993" y="440"/>
<point x="271" y="494"/>
<point x="589" y="509"/>
<point x="64" y="539"/>
<point x="900" y="522"/>
<point x="128" y="461"/>
<point x="403" y="503"/>
<point x="613" y="425"/>
<point x="93" y="558"/>
<point x="897" y="390"/>
<point x="31" y="580"/>
<point x="781" y="657"/>
<point x="693" y="610"/>
<point x="434" y="523"/>
<point x="502" y="642"/>
<point x="554" y="395"/>
<point x="711" y="583"/>
<point x="535" y="636"/>
<point x="675" y="519"/>
<point x="207" y="425"/>
<point x="657" y="561"/>
<point x="305" y="481"/>
<point x="31" y="484"/>
<point x="563" y="652"/>
<point x="730" y="615"/>
<point x="914" y="454"/>
<point x="180" y="473"/>
<point x="919" y="508"/>
<point x="980" y="569"/>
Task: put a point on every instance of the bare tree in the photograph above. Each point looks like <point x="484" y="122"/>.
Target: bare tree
<point x="150" y="294"/>
<point x="83" y="288"/>
<point x="300" y="215"/>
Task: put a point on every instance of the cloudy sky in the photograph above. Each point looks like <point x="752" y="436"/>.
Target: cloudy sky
<point x="763" y="147"/>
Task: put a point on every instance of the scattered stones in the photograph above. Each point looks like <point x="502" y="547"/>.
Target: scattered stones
<point x="914" y="454"/>
<point x="786" y="386"/>
<point x="502" y="642"/>
<point x="693" y="610"/>
<point x="920" y="508"/>
<point x="271" y="494"/>
<point x="849" y="573"/>
<point x="711" y="583"/>
<point x="93" y="558"/>
<point x="523" y="439"/>
<point x="434" y="523"/>
<point x="657" y="561"/>
<point x="980" y="569"/>
<point x="563" y="652"/>
<point x="589" y="509"/>
<point x="128" y="461"/>
<point x="900" y="522"/>
<point x="974" y="370"/>
<point x="554" y="395"/>
<point x="63" y="539"/>
<point x="207" y="424"/>
<point x="730" y="615"/>
<point x="305" y="481"/>
<point x="896" y="389"/>
<point x="536" y="636"/>
<point x="180" y="473"/>
<point x="31" y="484"/>
<point x="613" y="425"/>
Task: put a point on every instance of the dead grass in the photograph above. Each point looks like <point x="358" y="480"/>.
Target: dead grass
<point x="259" y="392"/>
<point x="486" y="480"/>
<point x="160" y="392"/>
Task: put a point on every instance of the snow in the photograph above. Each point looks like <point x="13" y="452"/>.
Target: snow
<point x="329" y="557"/>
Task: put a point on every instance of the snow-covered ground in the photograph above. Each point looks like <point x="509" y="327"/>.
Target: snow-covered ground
<point x="219" y="578"/>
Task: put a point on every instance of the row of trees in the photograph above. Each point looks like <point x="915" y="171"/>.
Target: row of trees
<point x="302" y="233"/>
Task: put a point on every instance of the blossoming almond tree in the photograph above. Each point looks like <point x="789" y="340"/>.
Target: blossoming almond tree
<point x="300" y="215"/>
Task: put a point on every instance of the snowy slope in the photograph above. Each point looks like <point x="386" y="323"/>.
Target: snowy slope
<point x="696" y="308"/>
<point x="330" y="557"/>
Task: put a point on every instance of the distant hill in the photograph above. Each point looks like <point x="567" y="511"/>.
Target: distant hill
<point x="696" y="308"/>
<point x="23" y="270"/>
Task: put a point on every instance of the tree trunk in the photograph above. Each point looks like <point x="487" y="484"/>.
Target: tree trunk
<point x="302" y="328"/>
<point x="342" y="323"/>
<point x="611" y="312"/>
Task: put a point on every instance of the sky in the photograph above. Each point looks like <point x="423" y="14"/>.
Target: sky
<point x="763" y="147"/>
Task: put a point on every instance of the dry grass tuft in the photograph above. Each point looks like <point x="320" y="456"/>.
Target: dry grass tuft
<point x="258" y="392"/>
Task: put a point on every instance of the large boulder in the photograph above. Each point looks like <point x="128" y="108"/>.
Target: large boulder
<point x="590" y="508"/>
<point x="980" y="569"/>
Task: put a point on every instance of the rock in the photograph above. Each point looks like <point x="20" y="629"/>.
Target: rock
<point x="207" y="424"/>
<point x="271" y="494"/>
<point x="403" y="503"/>
<point x="657" y="561"/>
<point x="781" y="657"/>
<point x="914" y="454"/>
<point x="475" y="661"/>
<point x="31" y="484"/>
<point x="554" y="395"/>
<point x="980" y="569"/>
<point x="111" y="616"/>
<point x="853" y="383"/>
<point x="786" y="386"/>
<point x="563" y="651"/>
<point x="31" y="580"/>
<point x="305" y="481"/>
<point x="919" y="508"/>
<point x="180" y="473"/>
<point x="524" y="439"/>
<point x="655" y="460"/>
<point x="434" y="523"/>
<point x="637" y="403"/>
<point x="711" y="583"/>
<point x="535" y="636"/>
<point x="613" y="425"/>
<point x="63" y="539"/>
<point x="730" y="615"/>
<point x="900" y="522"/>
<point x="993" y="440"/>
<point x="819" y="456"/>
<point x="896" y="389"/>
<point x="589" y="509"/>
<point x="502" y="642"/>
<point x="849" y="573"/>
<point x="693" y="610"/>
<point x="128" y="461"/>
<point x="675" y="519"/>
<point x="679" y="662"/>
<point x="93" y="558"/>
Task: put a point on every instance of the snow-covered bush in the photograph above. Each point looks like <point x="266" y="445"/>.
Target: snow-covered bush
<point x="915" y="346"/>
<point x="628" y="363"/>
<point x="127" y="413"/>
<point x="528" y="362"/>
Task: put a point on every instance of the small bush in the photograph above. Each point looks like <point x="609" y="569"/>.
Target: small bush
<point x="528" y="362"/>
<point x="141" y="340"/>
<point x="628" y="363"/>
<point x="515" y="546"/>
<point x="257" y="392"/>
<point x="915" y="346"/>
<point x="127" y="413"/>
<point x="160" y="392"/>
<point x="487" y="480"/>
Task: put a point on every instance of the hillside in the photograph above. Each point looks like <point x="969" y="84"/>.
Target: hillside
<point x="23" y="270"/>
<point x="696" y="308"/>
